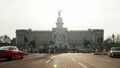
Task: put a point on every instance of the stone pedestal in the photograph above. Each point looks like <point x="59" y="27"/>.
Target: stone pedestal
<point x="60" y="34"/>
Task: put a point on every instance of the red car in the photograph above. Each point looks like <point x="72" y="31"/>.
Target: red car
<point x="10" y="52"/>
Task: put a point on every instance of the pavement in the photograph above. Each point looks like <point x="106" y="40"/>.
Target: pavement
<point x="62" y="60"/>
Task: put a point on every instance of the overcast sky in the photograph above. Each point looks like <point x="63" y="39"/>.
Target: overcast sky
<point x="42" y="15"/>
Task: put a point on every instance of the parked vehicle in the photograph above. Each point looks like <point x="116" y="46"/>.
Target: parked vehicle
<point x="114" y="51"/>
<point x="11" y="52"/>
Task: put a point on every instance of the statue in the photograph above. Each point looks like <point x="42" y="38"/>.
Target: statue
<point x="59" y="12"/>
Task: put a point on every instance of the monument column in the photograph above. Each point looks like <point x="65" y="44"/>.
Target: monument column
<point x="60" y="33"/>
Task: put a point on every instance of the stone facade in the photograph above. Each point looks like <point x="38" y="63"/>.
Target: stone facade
<point x="42" y="38"/>
<point x="59" y="37"/>
<point x="78" y="38"/>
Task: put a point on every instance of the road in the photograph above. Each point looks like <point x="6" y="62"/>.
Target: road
<point x="63" y="60"/>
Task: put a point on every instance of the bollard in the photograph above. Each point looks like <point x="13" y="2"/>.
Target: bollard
<point x="96" y="52"/>
<point x="104" y="51"/>
<point x="54" y="51"/>
<point x="25" y="51"/>
<point x="49" y="51"/>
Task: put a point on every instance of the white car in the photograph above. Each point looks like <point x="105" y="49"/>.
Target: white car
<point x="114" y="51"/>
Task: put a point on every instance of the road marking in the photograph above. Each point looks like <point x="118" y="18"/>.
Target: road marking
<point x="82" y="65"/>
<point x="73" y="59"/>
<point x="54" y="57"/>
<point x="48" y="61"/>
<point x="51" y="58"/>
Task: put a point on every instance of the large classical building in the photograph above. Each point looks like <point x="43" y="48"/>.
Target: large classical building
<point x="59" y="37"/>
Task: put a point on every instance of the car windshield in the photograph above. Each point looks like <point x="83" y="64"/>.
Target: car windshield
<point x="4" y="48"/>
<point x="115" y="48"/>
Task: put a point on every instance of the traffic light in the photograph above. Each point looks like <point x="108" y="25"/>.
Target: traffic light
<point x="33" y="43"/>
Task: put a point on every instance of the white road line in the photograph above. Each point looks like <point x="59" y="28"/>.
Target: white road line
<point x="73" y="59"/>
<point x="82" y="65"/>
<point x="51" y="59"/>
<point x="48" y="61"/>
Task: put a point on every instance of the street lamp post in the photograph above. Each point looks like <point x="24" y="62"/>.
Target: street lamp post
<point x="25" y="40"/>
<point x="117" y="39"/>
<point x="113" y="36"/>
<point x="100" y="41"/>
<point x="6" y="40"/>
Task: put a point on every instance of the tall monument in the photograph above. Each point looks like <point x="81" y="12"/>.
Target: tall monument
<point x="60" y="34"/>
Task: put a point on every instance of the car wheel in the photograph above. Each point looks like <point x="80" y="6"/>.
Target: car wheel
<point x="12" y="57"/>
<point x="112" y="56"/>
<point x="22" y="56"/>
